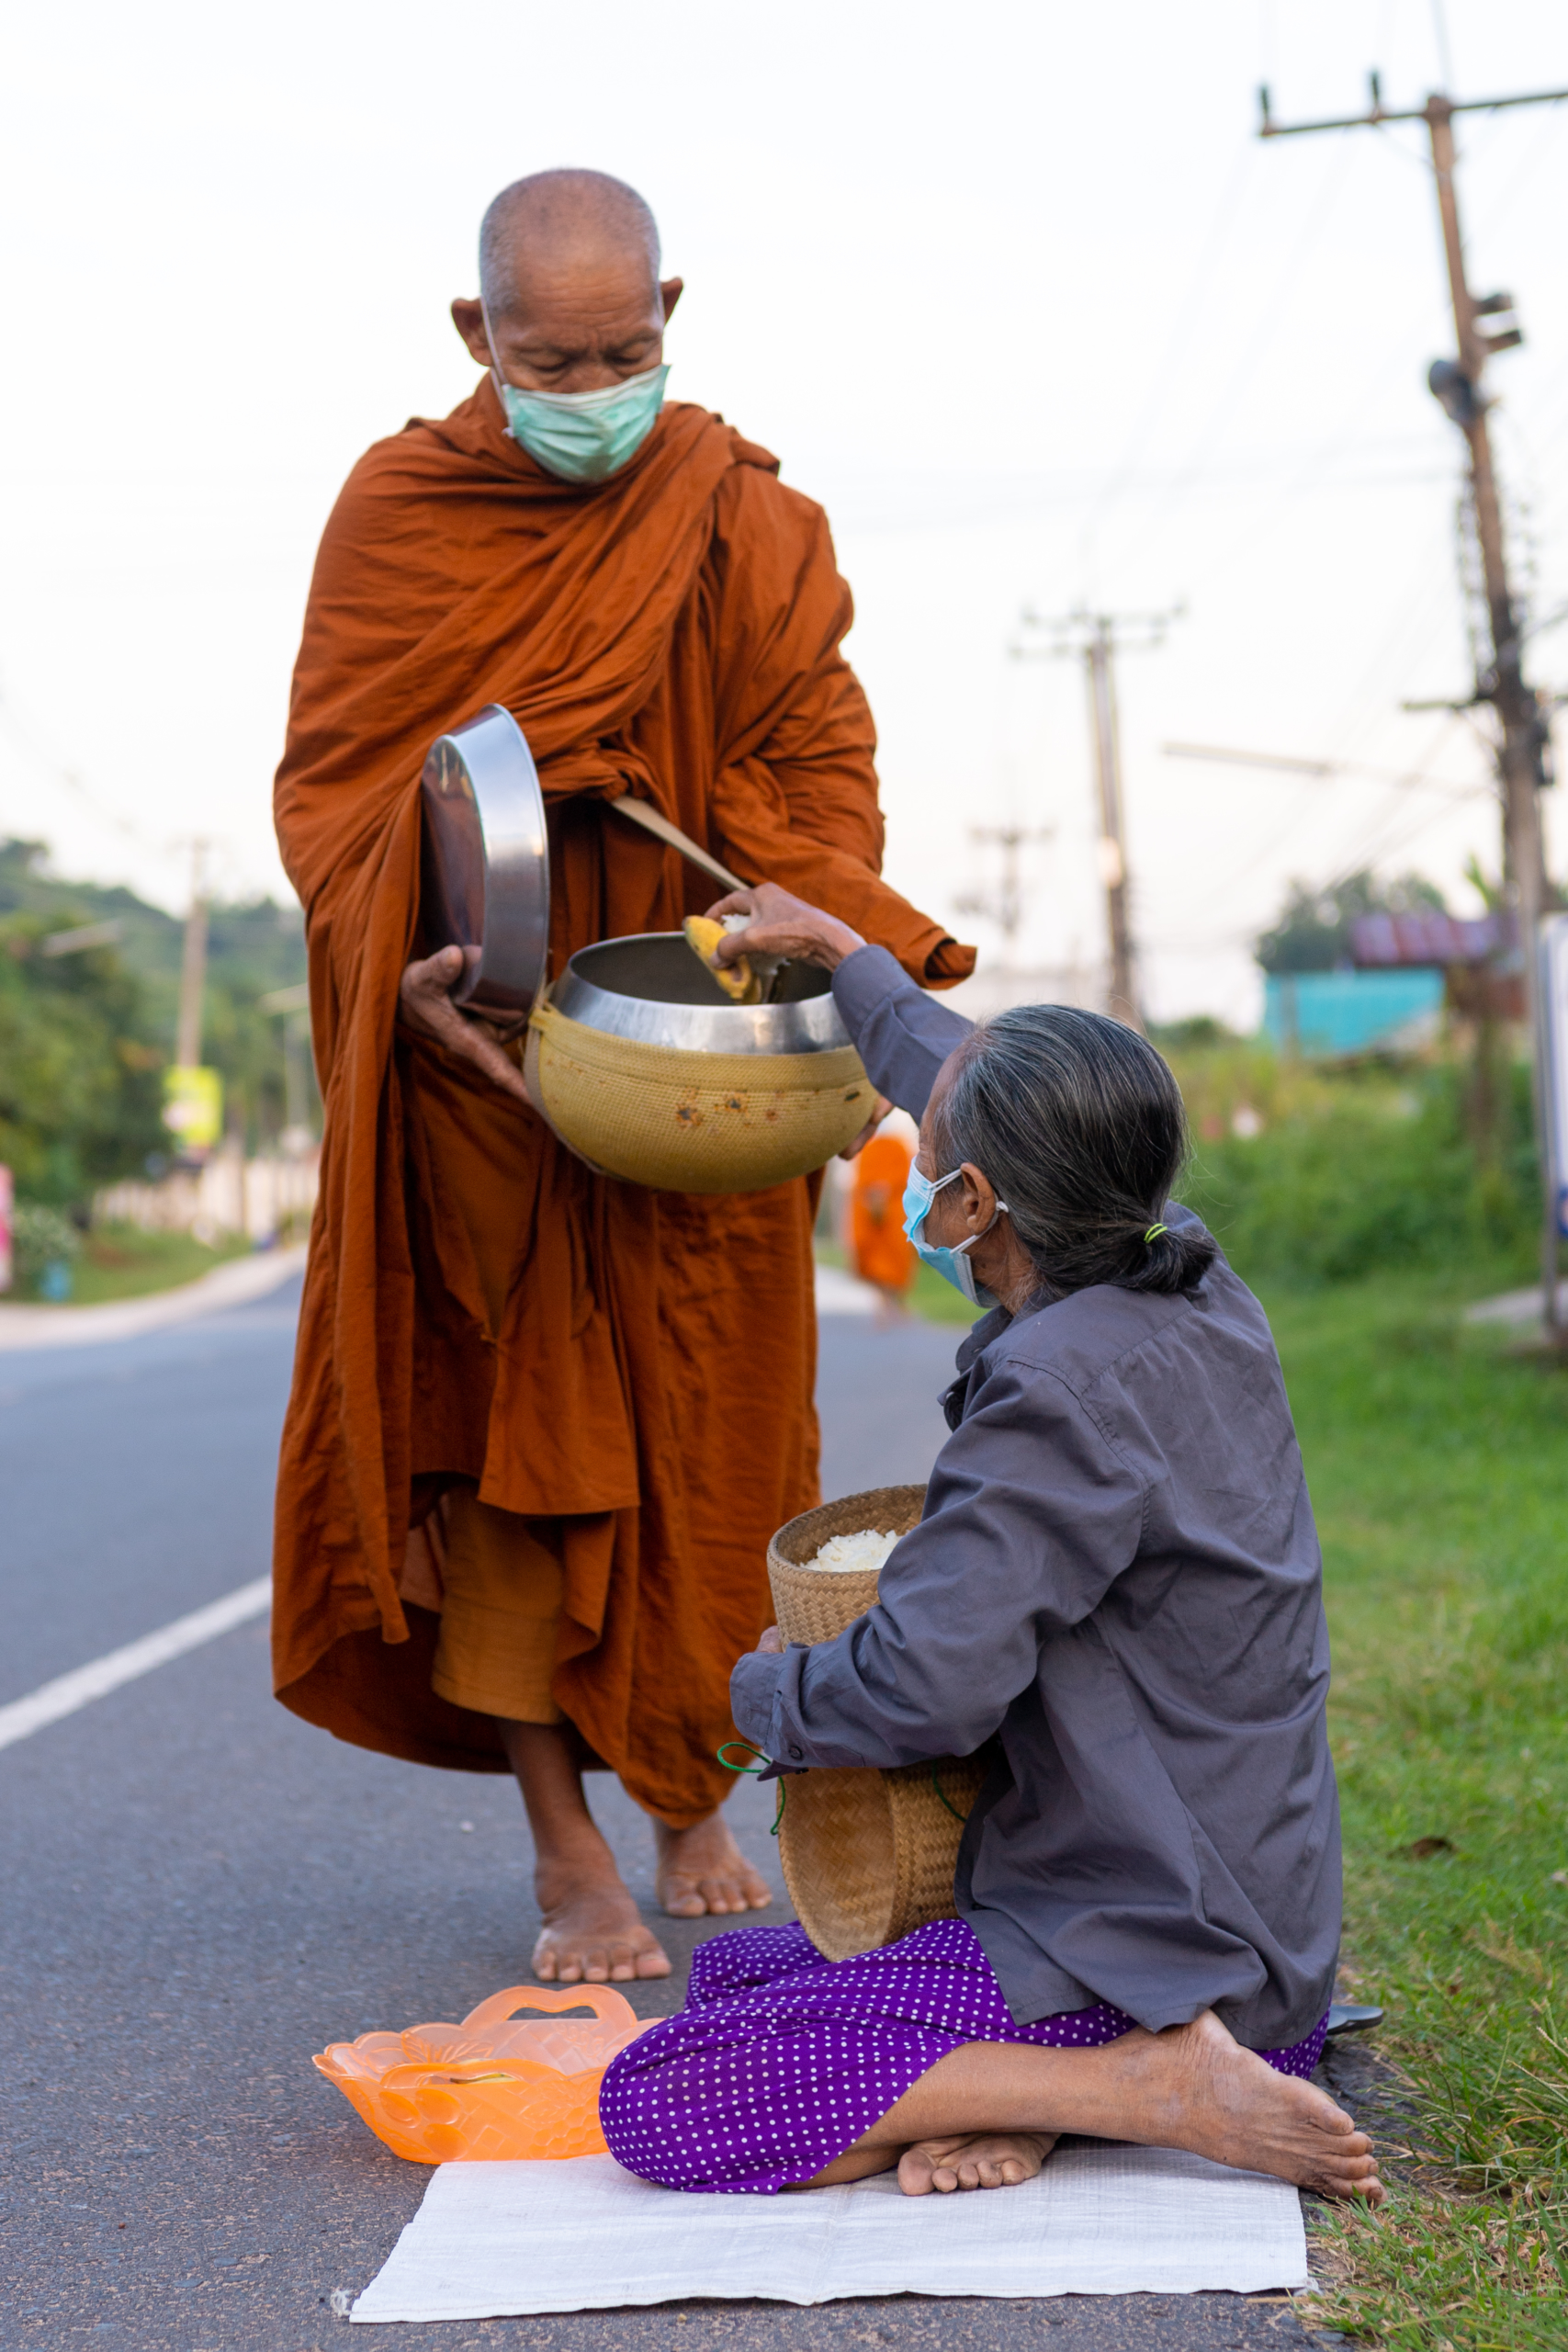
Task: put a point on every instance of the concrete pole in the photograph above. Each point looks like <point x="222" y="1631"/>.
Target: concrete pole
<point x="1518" y="716"/>
<point x="193" y="964"/>
<point x="1099" y="663"/>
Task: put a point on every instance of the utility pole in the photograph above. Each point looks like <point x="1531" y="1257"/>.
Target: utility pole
<point x="1096" y="639"/>
<point x="294" y="1004"/>
<point x="193" y="964"/>
<point x="1523" y="738"/>
<point x="1005" y="908"/>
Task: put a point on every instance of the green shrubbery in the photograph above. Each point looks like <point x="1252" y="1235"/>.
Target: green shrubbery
<point x="80" y="1092"/>
<point x="1364" y="1178"/>
<point x="1310" y="1178"/>
<point x="44" y="1249"/>
<point x="66" y="1124"/>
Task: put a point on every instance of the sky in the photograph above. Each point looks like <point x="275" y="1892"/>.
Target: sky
<point x="1016" y="291"/>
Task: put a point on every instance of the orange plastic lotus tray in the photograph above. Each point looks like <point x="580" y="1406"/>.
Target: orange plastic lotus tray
<point x="493" y="2087"/>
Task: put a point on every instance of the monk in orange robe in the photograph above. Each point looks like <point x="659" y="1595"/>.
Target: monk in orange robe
<point x="880" y="1249"/>
<point x="543" y="1423"/>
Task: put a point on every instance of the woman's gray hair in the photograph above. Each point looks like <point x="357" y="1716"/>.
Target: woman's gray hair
<point x="1079" y="1127"/>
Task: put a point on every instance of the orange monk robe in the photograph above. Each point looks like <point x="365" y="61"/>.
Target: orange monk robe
<point x="881" y="1249"/>
<point x="635" y="1366"/>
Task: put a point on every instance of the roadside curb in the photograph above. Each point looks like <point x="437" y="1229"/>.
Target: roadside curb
<point x="1516" y="1307"/>
<point x="235" y="1284"/>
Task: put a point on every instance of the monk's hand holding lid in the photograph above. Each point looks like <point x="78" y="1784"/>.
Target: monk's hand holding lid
<point x="425" y="1006"/>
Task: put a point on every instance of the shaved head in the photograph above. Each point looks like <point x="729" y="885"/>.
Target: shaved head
<point x="571" y="299"/>
<point x="555" y="222"/>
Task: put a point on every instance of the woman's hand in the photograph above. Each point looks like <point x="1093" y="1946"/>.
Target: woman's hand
<point x="425" y="1006"/>
<point x="771" y="1644"/>
<point x="783" y="925"/>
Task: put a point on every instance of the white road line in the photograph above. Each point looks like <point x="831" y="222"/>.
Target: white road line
<point x="85" y="1683"/>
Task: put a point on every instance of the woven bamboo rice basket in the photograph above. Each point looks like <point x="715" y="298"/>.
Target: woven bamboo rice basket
<point x="867" y="1856"/>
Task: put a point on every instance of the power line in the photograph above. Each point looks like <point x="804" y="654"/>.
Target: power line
<point x="1408" y="779"/>
<point x="1188" y="317"/>
<point x="62" y="772"/>
<point x="1191" y="469"/>
<point x="1305" y="803"/>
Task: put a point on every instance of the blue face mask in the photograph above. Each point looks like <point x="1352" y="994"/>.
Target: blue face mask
<point x="584" y="436"/>
<point x="953" y="1265"/>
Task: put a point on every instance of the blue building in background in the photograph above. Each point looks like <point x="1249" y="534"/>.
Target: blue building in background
<point x="1327" y="1016"/>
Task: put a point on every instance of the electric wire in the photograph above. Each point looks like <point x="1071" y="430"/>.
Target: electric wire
<point x="1320" y="213"/>
<point x="164" y="847"/>
<point x="1167" y="368"/>
<point x="1308" y="803"/>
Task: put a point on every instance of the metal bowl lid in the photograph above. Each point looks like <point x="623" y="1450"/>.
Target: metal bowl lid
<point x="486" y="869"/>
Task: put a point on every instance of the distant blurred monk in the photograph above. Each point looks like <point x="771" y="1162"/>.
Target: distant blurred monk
<point x="543" y="1423"/>
<point x="881" y="1249"/>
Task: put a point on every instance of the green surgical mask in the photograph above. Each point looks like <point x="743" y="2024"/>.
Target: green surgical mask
<point x="584" y="436"/>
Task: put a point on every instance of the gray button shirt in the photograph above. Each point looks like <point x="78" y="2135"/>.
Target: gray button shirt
<point x="1117" y="1574"/>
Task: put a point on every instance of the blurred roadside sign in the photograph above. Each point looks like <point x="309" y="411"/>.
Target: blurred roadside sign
<point x="1554" y="1056"/>
<point x="193" y="1107"/>
<point x="6" y="1197"/>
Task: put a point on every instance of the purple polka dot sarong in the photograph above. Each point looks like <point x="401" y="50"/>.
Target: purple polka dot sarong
<point x="780" y="2060"/>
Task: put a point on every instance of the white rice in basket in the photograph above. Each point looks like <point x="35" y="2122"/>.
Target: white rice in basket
<point x="864" y="1549"/>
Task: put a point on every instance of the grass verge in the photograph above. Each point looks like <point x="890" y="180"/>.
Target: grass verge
<point x="1437" y="1458"/>
<point x="121" y="1261"/>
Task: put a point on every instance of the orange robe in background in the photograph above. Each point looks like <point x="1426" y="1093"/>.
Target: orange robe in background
<point x="637" y="1365"/>
<point x="882" y="1251"/>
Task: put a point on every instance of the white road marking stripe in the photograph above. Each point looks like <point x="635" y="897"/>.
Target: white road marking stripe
<point x="85" y="1683"/>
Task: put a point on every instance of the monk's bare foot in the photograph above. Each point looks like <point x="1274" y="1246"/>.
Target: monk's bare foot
<point x="1193" y="2086"/>
<point x="978" y="2160"/>
<point x="702" y="1869"/>
<point x="593" y="1932"/>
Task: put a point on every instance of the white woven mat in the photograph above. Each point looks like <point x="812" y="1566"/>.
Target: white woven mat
<point x="494" y="2239"/>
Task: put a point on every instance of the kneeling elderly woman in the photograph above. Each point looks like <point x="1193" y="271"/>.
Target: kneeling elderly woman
<point x="1117" y="1576"/>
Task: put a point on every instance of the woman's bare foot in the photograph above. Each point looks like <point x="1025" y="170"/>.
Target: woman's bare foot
<point x="979" y="2160"/>
<point x="593" y="1932"/>
<point x="703" y="1870"/>
<point x="1193" y="2086"/>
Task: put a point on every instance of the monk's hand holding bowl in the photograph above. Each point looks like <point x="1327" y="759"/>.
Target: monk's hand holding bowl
<point x="425" y="1006"/>
<point x="781" y="924"/>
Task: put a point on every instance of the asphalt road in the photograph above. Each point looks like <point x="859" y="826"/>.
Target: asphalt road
<point x="202" y="1891"/>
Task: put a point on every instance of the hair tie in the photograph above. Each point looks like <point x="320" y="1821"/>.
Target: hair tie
<point x="1154" y="1233"/>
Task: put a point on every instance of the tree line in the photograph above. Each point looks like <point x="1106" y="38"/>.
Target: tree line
<point x="86" y="1034"/>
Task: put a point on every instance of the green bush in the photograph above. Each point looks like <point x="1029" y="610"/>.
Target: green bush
<point x="1366" y="1175"/>
<point x="40" y="1237"/>
<point x="80" y="1089"/>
